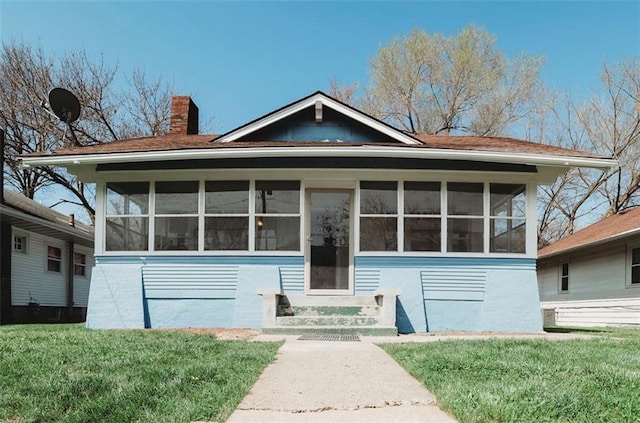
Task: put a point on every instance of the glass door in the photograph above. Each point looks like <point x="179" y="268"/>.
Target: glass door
<point x="329" y="241"/>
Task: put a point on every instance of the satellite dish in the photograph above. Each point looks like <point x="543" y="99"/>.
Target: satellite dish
<point x="64" y="104"/>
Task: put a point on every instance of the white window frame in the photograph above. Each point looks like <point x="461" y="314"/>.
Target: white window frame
<point x="629" y="265"/>
<point x="24" y="243"/>
<point x="47" y="258"/>
<point x="561" y="276"/>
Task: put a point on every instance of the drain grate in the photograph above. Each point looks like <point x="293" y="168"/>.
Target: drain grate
<point x="352" y="338"/>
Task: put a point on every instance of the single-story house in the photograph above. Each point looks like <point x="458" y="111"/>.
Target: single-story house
<point x="592" y="277"/>
<point x="45" y="263"/>
<point x="315" y="214"/>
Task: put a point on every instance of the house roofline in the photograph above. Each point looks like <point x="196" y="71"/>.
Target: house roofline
<point x="319" y="151"/>
<point x="611" y="238"/>
<point x="70" y="230"/>
<point x="308" y="101"/>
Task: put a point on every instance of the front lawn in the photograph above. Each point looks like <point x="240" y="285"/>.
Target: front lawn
<point x="66" y="373"/>
<point x="507" y="380"/>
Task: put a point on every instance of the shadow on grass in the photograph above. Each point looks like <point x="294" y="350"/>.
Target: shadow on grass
<point x="559" y="329"/>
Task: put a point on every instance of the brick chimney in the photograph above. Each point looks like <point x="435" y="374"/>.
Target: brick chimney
<point x="184" y="116"/>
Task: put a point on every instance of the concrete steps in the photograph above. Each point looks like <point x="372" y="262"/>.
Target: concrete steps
<point x="325" y="315"/>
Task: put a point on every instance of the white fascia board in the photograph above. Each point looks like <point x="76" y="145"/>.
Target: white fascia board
<point x="316" y="151"/>
<point x="326" y="101"/>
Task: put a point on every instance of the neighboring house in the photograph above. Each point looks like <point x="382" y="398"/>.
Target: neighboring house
<point x="592" y="278"/>
<point x="46" y="261"/>
<point x="312" y="208"/>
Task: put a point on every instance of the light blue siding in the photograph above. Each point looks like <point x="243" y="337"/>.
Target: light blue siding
<point x="190" y="313"/>
<point x="459" y="294"/>
<point x="292" y="278"/>
<point x="367" y="280"/>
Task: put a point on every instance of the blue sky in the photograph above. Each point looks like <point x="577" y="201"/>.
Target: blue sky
<point x="239" y="60"/>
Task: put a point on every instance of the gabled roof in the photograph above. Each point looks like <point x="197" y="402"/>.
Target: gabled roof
<point x="324" y="101"/>
<point x="27" y="214"/>
<point x="623" y="224"/>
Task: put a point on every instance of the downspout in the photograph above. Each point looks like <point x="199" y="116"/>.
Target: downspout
<point x="70" y="274"/>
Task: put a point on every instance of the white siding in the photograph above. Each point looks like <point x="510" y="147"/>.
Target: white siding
<point x="30" y="280"/>
<point x="598" y="291"/>
<point x="81" y="283"/>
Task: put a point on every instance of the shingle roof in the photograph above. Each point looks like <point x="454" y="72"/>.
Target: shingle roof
<point x="30" y="207"/>
<point x="187" y="142"/>
<point x="621" y="224"/>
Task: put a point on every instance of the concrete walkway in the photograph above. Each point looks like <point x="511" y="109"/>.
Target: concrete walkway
<point x="313" y="381"/>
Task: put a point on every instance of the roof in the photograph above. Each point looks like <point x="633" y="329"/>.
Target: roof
<point x="26" y="213"/>
<point x="617" y="226"/>
<point x="190" y="142"/>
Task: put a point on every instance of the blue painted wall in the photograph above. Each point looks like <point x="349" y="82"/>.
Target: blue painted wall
<point x="437" y="294"/>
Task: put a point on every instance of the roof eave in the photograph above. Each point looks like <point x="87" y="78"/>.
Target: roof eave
<point x="70" y="230"/>
<point x="612" y="238"/>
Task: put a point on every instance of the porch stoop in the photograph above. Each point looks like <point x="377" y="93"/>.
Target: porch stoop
<point x="323" y="315"/>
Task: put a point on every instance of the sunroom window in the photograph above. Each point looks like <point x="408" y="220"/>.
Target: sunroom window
<point x="465" y="222"/>
<point x="176" y="215"/>
<point x="422" y="220"/>
<point x="277" y="215"/>
<point x="127" y="216"/>
<point x="507" y="213"/>
<point x="379" y="216"/>
<point x="226" y="222"/>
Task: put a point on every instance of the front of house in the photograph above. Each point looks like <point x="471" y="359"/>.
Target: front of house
<point x="314" y="203"/>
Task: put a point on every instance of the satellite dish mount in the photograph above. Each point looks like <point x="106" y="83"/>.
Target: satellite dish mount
<point x="65" y="106"/>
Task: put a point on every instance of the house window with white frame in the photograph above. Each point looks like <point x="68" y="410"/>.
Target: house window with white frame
<point x="507" y="218"/>
<point x="226" y="221"/>
<point x="176" y="215"/>
<point x="635" y="266"/>
<point x="20" y="244"/>
<point x="127" y="216"/>
<point x="379" y="216"/>
<point x="422" y="216"/>
<point x="277" y="215"/>
<point x="465" y="217"/>
<point x="564" y="277"/>
<point x="79" y="264"/>
<point x="54" y="259"/>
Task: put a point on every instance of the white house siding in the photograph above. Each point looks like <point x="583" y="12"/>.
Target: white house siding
<point x="30" y="280"/>
<point x="598" y="291"/>
<point x="81" y="283"/>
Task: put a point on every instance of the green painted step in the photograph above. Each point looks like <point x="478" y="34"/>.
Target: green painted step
<point x="322" y="320"/>
<point x="332" y="330"/>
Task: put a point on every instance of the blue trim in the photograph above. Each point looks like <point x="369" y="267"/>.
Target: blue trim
<point x="237" y="260"/>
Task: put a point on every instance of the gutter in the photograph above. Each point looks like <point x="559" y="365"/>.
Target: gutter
<point x="346" y="151"/>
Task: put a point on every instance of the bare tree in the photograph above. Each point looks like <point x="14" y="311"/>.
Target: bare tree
<point x="607" y="123"/>
<point x="110" y="111"/>
<point x="343" y="93"/>
<point x="435" y="84"/>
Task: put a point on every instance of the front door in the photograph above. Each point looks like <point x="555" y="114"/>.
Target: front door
<point x="329" y="232"/>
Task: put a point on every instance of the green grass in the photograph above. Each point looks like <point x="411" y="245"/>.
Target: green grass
<point x="66" y="373"/>
<point x="507" y="380"/>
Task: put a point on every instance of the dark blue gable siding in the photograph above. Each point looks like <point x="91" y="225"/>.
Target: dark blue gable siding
<point x="302" y="126"/>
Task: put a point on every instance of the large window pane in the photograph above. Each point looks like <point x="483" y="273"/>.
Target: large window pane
<point x="464" y="199"/>
<point x="277" y="197"/>
<point x="378" y="234"/>
<point x="226" y="197"/>
<point x="422" y="198"/>
<point x="176" y="233"/>
<point x="507" y="236"/>
<point x="508" y="200"/>
<point x="422" y="234"/>
<point x="278" y="233"/>
<point x="177" y="197"/>
<point x="378" y="197"/>
<point x="226" y="233"/>
<point x="127" y="233"/>
<point x="126" y="198"/>
<point x="465" y="235"/>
